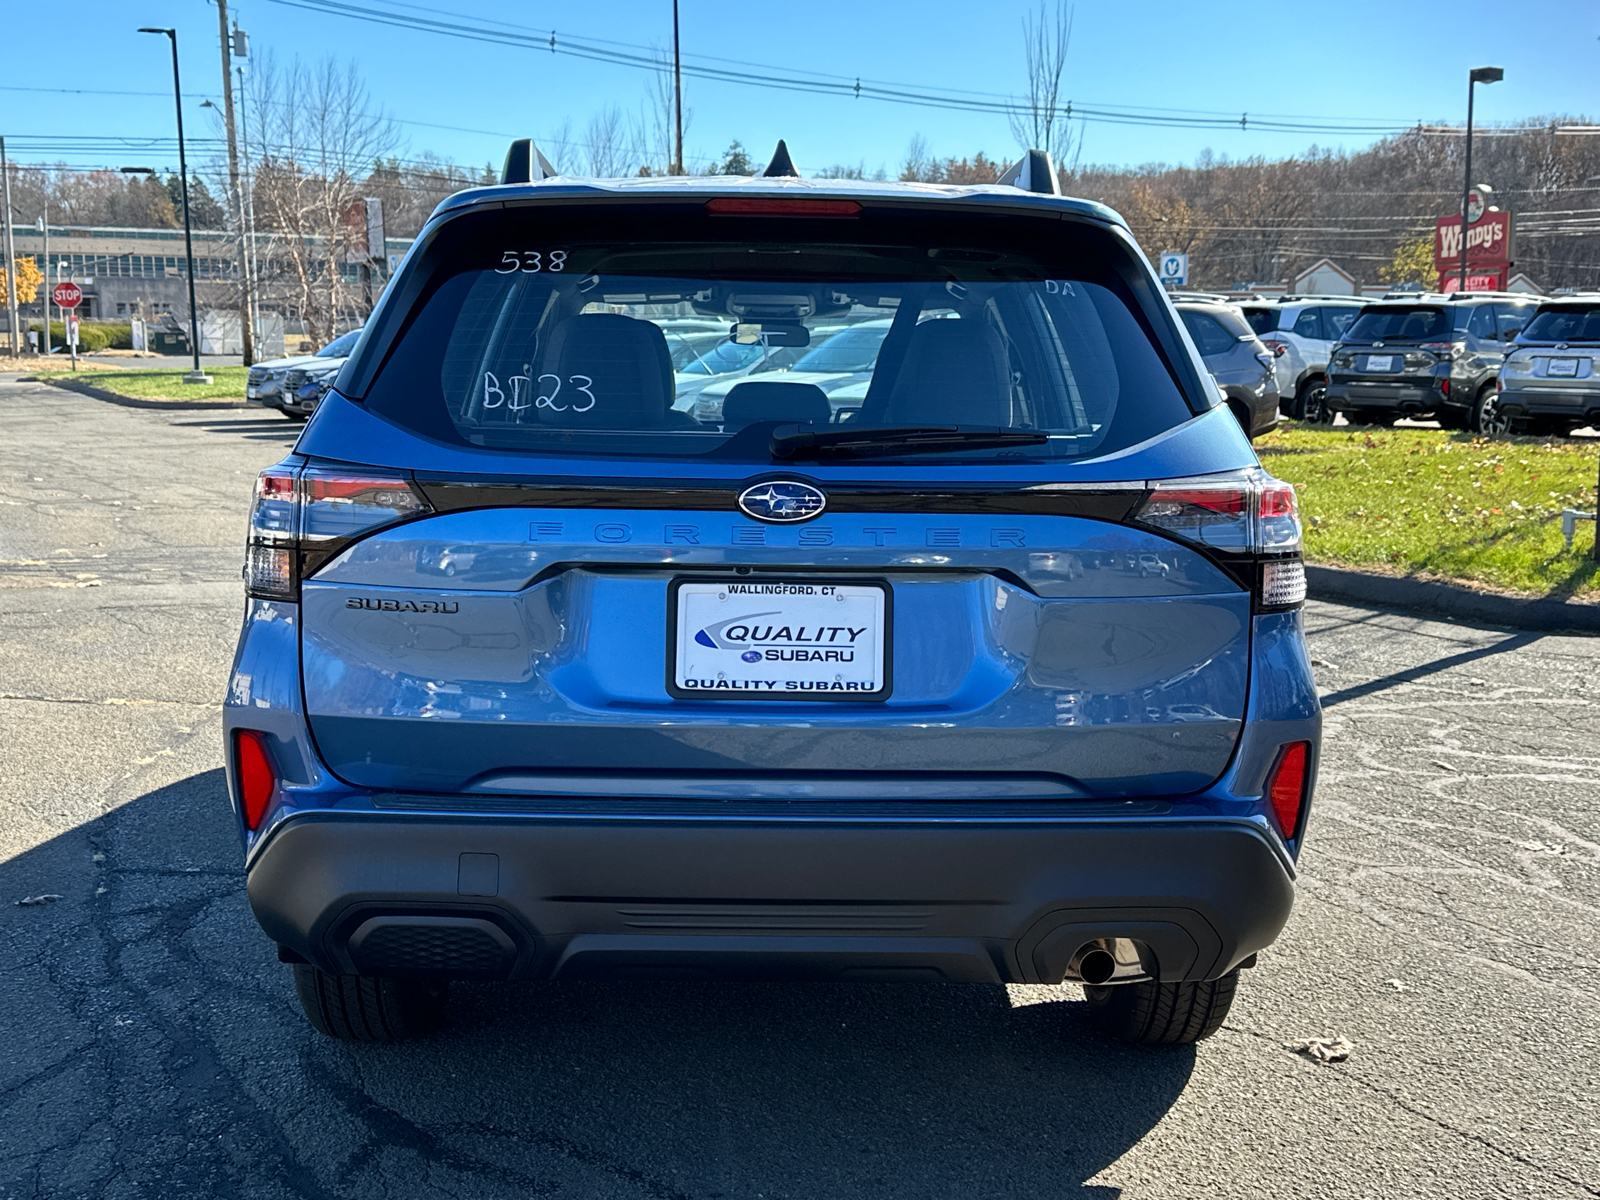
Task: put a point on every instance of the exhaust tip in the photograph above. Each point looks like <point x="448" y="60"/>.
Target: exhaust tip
<point x="1096" y="966"/>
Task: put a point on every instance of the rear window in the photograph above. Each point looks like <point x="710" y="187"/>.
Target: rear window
<point x="1400" y="323"/>
<point x="1262" y="320"/>
<point x="1338" y="319"/>
<point x="560" y="332"/>
<point x="1564" y="325"/>
<point x="1210" y="336"/>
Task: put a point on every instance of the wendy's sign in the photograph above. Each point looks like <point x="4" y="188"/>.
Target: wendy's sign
<point x="1489" y="251"/>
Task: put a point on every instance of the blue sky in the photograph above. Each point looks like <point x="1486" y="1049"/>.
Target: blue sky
<point x="1403" y="62"/>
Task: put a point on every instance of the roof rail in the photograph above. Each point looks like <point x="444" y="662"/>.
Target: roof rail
<point x="524" y="163"/>
<point x="1033" y="172"/>
<point x="781" y="166"/>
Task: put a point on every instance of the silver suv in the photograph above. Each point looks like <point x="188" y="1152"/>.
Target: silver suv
<point x="1300" y="331"/>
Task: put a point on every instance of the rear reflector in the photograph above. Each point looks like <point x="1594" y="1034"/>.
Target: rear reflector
<point x="1286" y="789"/>
<point x="776" y="206"/>
<point x="253" y="770"/>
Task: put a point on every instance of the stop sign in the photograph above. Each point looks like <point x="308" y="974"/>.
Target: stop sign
<point x="67" y="295"/>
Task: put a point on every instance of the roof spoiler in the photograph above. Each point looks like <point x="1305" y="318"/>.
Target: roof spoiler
<point x="1033" y="172"/>
<point x="524" y="163"/>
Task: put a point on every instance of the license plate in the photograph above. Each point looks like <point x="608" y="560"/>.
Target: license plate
<point x="1380" y="362"/>
<point x="1563" y="368"/>
<point x="779" y="639"/>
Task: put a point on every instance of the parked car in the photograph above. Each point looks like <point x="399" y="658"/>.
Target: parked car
<point x="305" y="386"/>
<point x="1245" y="370"/>
<point x="1300" y="331"/>
<point x="1550" y="380"/>
<point x="540" y="678"/>
<point x="1411" y="358"/>
<point x="265" y="383"/>
<point x="839" y="361"/>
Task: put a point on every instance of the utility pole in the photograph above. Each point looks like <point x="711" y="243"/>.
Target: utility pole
<point x="11" y="250"/>
<point x="677" y="94"/>
<point x="44" y="297"/>
<point x="196" y="375"/>
<point x="246" y="323"/>
<point x="254" y="272"/>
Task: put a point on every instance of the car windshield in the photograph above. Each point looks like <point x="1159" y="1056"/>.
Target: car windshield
<point x="1570" y="324"/>
<point x="341" y="346"/>
<point x="565" y="350"/>
<point x="1408" y="323"/>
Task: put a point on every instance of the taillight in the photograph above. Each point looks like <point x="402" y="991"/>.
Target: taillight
<point x="303" y="515"/>
<point x="252" y="771"/>
<point x="1251" y="521"/>
<point x="1286" y="786"/>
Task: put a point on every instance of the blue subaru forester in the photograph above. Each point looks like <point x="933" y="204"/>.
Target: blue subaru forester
<point x="984" y="664"/>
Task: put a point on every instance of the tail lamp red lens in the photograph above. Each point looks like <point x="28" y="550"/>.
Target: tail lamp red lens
<point x="1286" y="788"/>
<point x="780" y="206"/>
<point x="252" y="770"/>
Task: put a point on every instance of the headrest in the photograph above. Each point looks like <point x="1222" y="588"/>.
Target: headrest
<point x="955" y="372"/>
<point x="613" y="373"/>
<point x="772" y="400"/>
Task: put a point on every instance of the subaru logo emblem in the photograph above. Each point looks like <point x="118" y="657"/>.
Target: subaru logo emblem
<point x="782" y="500"/>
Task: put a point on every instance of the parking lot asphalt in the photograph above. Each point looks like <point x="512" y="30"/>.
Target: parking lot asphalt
<point x="150" y="1044"/>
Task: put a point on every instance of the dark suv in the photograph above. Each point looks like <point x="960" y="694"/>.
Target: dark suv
<point x="994" y="675"/>
<point x="1411" y="358"/>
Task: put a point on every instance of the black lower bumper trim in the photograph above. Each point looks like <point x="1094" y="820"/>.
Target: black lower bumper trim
<point x="568" y="897"/>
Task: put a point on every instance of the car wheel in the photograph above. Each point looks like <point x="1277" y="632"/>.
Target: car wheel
<point x="1162" y="1014"/>
<point x="1487" y="418"/>
<point x="359" y="1009"/>
<point x="1453" y="418"/>
<point x="1312" y="403"/>
<point x="1241" y="415"/>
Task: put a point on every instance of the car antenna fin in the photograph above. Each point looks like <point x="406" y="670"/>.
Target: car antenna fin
<point x="525" y="163"/>
<point x="1033" y="172"/>
<point x="781" y="166"/>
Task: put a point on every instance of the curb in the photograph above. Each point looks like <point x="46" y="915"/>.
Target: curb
<point x="1450" y="601"/>
<point x="85" y="389"/>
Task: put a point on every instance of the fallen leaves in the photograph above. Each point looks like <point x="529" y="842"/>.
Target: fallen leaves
<point x="1324" y="1050"/>
<point x="42" y="898"/>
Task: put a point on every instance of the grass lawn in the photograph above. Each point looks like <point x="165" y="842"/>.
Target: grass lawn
<point x="227" y="383"/>
<point x="1437" y="504"/>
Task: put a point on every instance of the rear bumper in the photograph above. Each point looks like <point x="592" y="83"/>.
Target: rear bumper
<point x="1549" y="401"/>
<point x="922" y="897"/>
<point x="1343" y="395"/>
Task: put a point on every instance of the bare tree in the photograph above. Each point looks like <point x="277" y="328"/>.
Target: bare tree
<point x="609" y="148"/>
<point x="1038" y="121"/>
<point x="919" y="164"/>
<point x="321" y="138"/>
<point x="656" y="128"/>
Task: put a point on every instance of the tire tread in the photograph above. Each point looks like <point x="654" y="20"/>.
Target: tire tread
<point x="1163" y="1014"/>
<point x="355" y="1008"/>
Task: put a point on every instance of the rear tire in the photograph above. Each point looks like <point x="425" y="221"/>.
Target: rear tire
<point x="1242" y="415"/>
<point x="358" y="1009"/>
<point x="1311" y="405"/>
<point x="1453" y="418"/>
<point x="1487" y="418"/>
<point x="1162" y="1014"/>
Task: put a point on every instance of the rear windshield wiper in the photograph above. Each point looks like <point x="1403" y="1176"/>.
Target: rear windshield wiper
<point x="796" y="441"/>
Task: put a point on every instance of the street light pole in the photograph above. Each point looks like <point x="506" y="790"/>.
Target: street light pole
<point x="1476" y="76"/>
<point x="10" y="251"/>
<point x="196" y="375"/>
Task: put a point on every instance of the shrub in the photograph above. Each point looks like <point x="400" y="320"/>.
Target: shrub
<point x="92" y="338"/>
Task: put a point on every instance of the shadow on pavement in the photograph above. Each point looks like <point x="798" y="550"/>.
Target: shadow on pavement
<point x="1412" y="674"/>
<point x="155" y="1047"/>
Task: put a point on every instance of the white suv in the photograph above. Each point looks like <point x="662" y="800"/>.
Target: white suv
<point x="1301" y="331"/>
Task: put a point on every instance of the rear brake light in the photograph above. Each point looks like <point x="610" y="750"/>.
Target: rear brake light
<point x="1286" y="786"/>
<point x="776" y="206"/>
<point x="310" y="512"/>
<point x="252" y="771"/>
<point x="1245" y="517"/>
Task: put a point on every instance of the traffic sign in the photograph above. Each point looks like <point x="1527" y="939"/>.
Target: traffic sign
<point x="67" y="295"/>
<point x="1174" y="268"/>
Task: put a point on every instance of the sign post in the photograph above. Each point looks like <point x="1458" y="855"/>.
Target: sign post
<point x="1174" y="269"/>
<point x="67" y="296"/>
